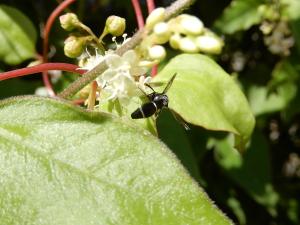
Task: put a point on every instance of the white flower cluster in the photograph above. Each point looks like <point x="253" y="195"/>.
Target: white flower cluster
<point x="124" y="77"/>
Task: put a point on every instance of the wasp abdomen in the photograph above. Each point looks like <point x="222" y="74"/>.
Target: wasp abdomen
<point x="146" y="110"/>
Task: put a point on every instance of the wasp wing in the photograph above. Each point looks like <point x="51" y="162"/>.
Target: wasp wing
<point x="169" y="84"/>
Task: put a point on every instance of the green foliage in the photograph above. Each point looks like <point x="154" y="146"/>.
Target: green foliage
<point x="291" y="9"/>
<point x="17" y="36"/>
<point x="62" y="165"/>
<point x="204" y="95"/>
<point x="255" y="180"/>
<point x="240" y="15"/>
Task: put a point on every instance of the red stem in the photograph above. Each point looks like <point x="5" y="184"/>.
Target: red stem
<point x="41" y="68"/>
<point x="78" y="101"/>
<point x="150" y="5"/>
<point x="47" y="29"/>
<point x="138" y="13"/>
<point x="154" y="70"/>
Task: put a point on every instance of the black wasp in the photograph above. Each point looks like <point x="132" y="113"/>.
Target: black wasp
<point x="157" y="101"/>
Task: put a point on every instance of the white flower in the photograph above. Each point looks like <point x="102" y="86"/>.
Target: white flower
<point x="41" y="91"/>
<point x="88" y="61"/>
<point x="121" y="79"/>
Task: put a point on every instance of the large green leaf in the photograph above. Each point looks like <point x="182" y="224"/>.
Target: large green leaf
<point x="262" y="102"/>
<point x="281" y="91"/>
<point x="168" y="128"/>
<point x="17" y="36"/>
<point x="252" y="171"/>
<point x="62" y="165"/>
<point x="240" y="15"/>
<point x="205" y="95"/>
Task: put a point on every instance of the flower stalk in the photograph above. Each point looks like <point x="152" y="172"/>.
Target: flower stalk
<point x="47" y="29"/>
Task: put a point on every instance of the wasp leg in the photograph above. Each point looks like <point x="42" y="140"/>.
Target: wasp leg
<point x="180" y="120"/>
<point x="156" y="114"/>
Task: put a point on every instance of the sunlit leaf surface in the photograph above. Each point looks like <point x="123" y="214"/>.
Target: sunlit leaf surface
<point x="62" y="165"/>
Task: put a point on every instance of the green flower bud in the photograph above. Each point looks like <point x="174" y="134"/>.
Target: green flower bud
<point x="187" y="44"/>
<point x="175" y="41"/>
<point x="161" y="32"/>
<point x="69" y="21"/>
<point x="190" y="25"/>
<point x="209" y="44"/>
<point x="157" y="52"/>
<point x="115" y="25"/>
<point x="156" y="16"/>
<point x="74" y="46"/>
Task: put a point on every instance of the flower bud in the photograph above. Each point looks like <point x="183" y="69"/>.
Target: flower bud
<point x="190" y="25"/>
<point x="175" y="41"/>
<point x="266" y="27"/>
<point x="161" y="32"/>
<point x="157" y="52"/>
<point x="41" y="91"/>
<point x="187" y="44"/>
<point x="69" y="21"/>
<point x="156" y="16"/>
<point x="209" y="44"/>
<point x="35" y="63"/>
<point x="115" y="25"/>
<point x="74" y="46"/>
<point x="148" y="64"/>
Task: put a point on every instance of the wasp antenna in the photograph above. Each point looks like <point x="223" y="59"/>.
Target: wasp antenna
<point x="169" y="84"/>
<point x="148" y="85"/>
<point x="142" y="91"/>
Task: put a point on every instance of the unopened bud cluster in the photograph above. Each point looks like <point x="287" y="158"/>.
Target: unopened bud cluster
<point x="275" y="28"/>
<point x="185" y="32"/>
<point x="77" y="42"/>
<point x="277" y="37"/>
